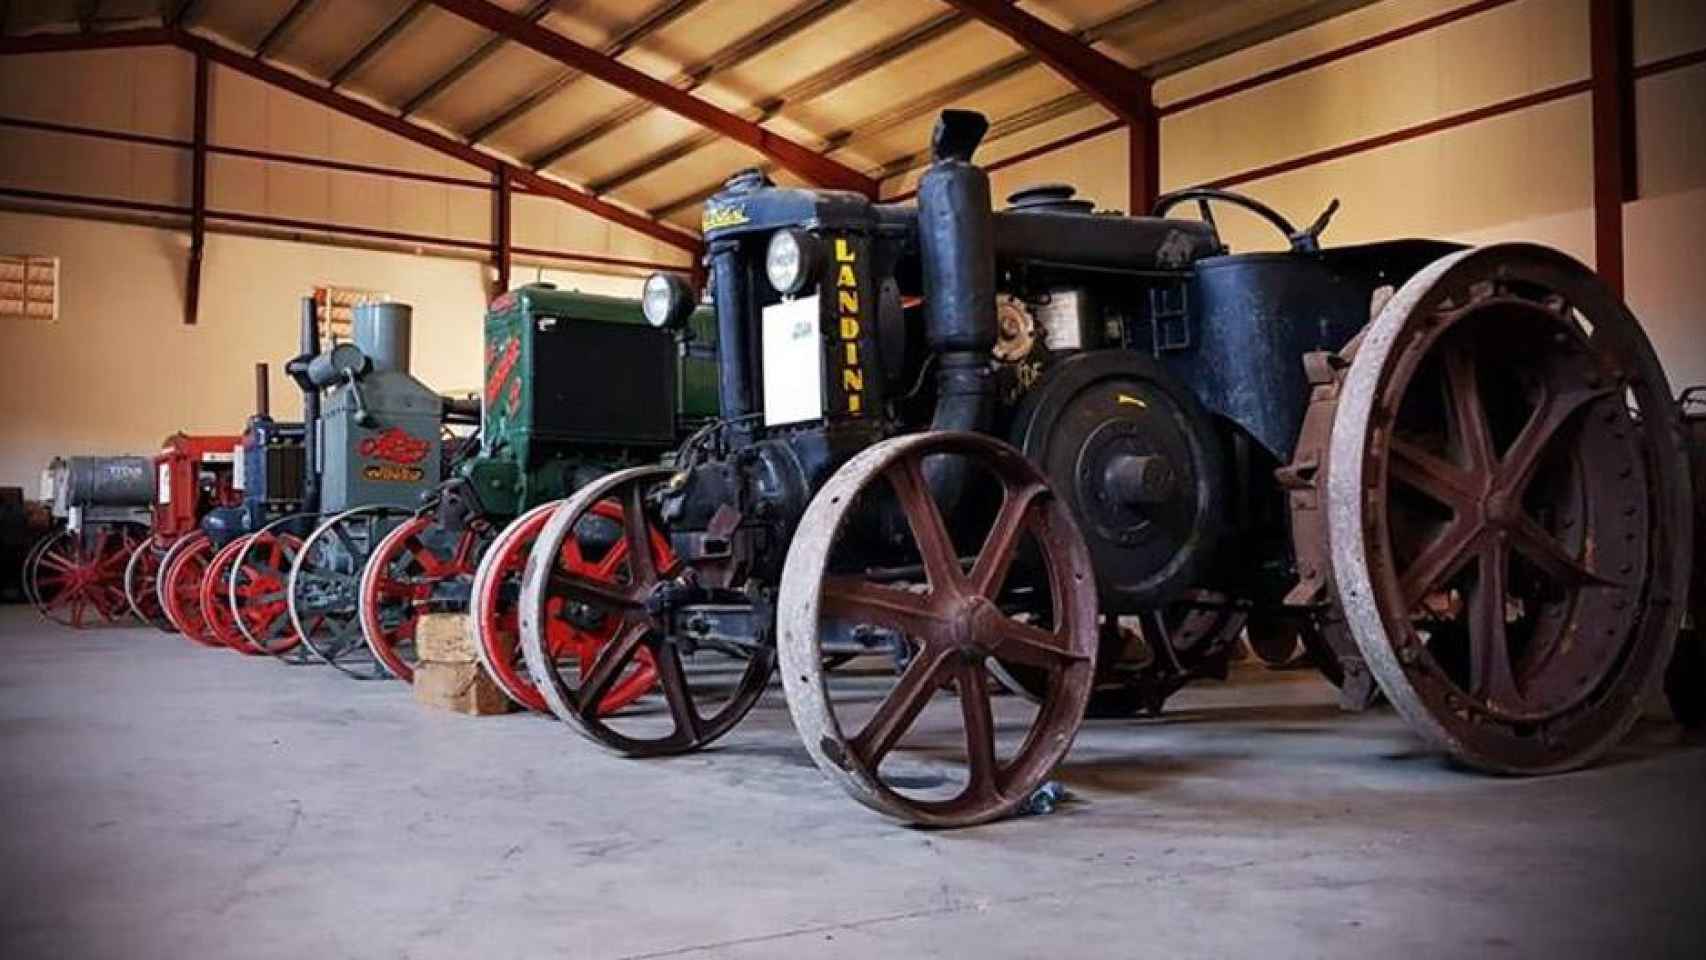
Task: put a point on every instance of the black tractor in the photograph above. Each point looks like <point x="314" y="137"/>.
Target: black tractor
<point x="1077" y="452"/>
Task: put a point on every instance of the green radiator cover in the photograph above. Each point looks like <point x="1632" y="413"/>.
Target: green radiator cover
<point x="578" y="384"/>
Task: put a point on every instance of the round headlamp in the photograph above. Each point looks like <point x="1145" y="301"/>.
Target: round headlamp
<point x="666" y="300"/>
<point x="789" y="260"/>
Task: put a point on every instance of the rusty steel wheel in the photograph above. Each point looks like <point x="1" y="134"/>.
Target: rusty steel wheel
<point x="1027" y="598"/>
<point x="141" y="583"/>
<point x="702" y="690"/>
<point x="255" y="591"/>
<point x="419" y="567"/>
<point x="1507" y="508"/>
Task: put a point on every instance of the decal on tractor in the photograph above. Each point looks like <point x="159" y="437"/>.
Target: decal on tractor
<point x="396" y="446"/>
<point x="847" y="306"/>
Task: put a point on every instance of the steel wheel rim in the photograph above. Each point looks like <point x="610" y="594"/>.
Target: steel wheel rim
<point x="256" y="589"/>
<point x="85" y="577"/>
<point x="141" y="576"/>
<point x="1525" y="706"/>
<point x="330" y="632"/>
<point x="181" y="587"/>
<point x="379" y="578"/>
<point x="221" y="621"/>
<point x="691" y="729"/>
<point x="957" y="627"/>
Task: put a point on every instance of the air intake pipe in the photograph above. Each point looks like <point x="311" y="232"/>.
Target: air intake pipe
<point x="956" y="237"/>
<point x="309" y="347"/>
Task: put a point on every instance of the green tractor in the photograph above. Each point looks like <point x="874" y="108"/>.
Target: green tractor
<point x="576" y="386"/>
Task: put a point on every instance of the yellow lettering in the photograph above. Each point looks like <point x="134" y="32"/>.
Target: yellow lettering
<point x="849" y="301"/>
<point x="852" y="380"/>
<point x="852" y="354"/>
<point x="853" y="403"/>
<point x="845" y="278"/>
<point x="843" y="252"/>
<point x="849" y="328"/>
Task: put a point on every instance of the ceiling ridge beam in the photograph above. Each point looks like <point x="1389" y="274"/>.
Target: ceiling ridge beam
<point x="1121" y="89"/>
<point x="623" y="42"/>
<point x="463" y="67"/>
<point x="376" y="43"/>
<point x="314" y="91"/>
<point x="803" y="161"/>
<point x="99" y="40"/>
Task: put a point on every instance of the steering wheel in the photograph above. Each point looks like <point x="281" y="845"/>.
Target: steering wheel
<point x="1301" y="241"/>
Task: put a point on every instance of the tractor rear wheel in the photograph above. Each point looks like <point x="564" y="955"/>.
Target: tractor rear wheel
<point x="141" y="583"/>
<point x="417" y="568"/>
<point x="180" y="587"/>
<point x="256" y="590"/>
<point x="322" y="592"/>
<point x="1508" y="509"/>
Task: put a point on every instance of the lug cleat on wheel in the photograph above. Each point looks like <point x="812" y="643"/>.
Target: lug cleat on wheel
<point x="571" y="640"/>
<point x="419" y="567"/>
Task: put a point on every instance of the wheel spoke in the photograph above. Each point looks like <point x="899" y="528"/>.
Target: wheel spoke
<point x="587" y="590"/>
<point x="608" y="667"/>
<point x="857" y="600"/>
<point x="1490" y="677"/>
<point x="672" y="677"/>
<point x="1002" y="544"/>
<point x="1439" y="478"/>
<point x="935" y="547"/>
<point x="1554" y="411"/>
<point x="1437" y="562"/>
<point x="642" y="567"/>
<point x="984" y="776"/>
<point x="1551" y="557"/>
<point x="895" y="715"/>
<point x="1468" y="412"/>
<point x="1031" y="646"/>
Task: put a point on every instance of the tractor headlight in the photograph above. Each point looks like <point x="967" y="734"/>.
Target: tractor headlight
<point x="666" y="300"/>
<point x="788" y="261"/>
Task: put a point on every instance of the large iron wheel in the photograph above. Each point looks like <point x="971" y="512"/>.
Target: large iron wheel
<point x="141" y="583"/>
<point x="75" y="574"/>
<point x="1508" y="511"/>
<point x="323" y="589"/>
<point x="414" y="570"/>
<point x="494" y="619"/>
<point x="180" y="587"/>
<point x="705" y="690"/>
<point x="27" y="568"/>
<point x="952" y="621"/>
<point x="256" y="590"/>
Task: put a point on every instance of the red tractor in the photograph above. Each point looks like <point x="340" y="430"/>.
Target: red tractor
<point x="193" y="474"/>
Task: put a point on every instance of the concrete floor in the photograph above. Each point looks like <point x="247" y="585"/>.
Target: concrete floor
<point x="160" y="800"/>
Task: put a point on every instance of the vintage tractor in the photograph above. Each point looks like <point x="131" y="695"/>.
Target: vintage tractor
<point x="78" y="569"/>
<point x="1685" y="680"/>
<point x="575" y="386"/>
<point x="1072" y="445"/>
<point x="192" y="475"/>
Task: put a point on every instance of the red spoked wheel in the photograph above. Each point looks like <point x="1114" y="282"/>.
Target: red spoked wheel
<point x="76" y="574"/>
<point x="494" y="617"/>
<point x="142" y="582"/>
<point x="255" y="592"/>
<point x="180" y="587"/>
<point x="406" y="577"/>
<point x="215" y="602"/>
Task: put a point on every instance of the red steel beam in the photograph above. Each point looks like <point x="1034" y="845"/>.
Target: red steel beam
<point x="1122" y="90"/>
<point x="807" y="163"/>
<point x="367" y="113"/>
<point x="66" y="42"/>
<point x="198" y="195"/>
<point x="1612" y="80"/>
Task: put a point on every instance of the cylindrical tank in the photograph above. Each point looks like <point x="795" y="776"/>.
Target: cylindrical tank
<point x="382" y="332"/>
<point x="109" y="482"/>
